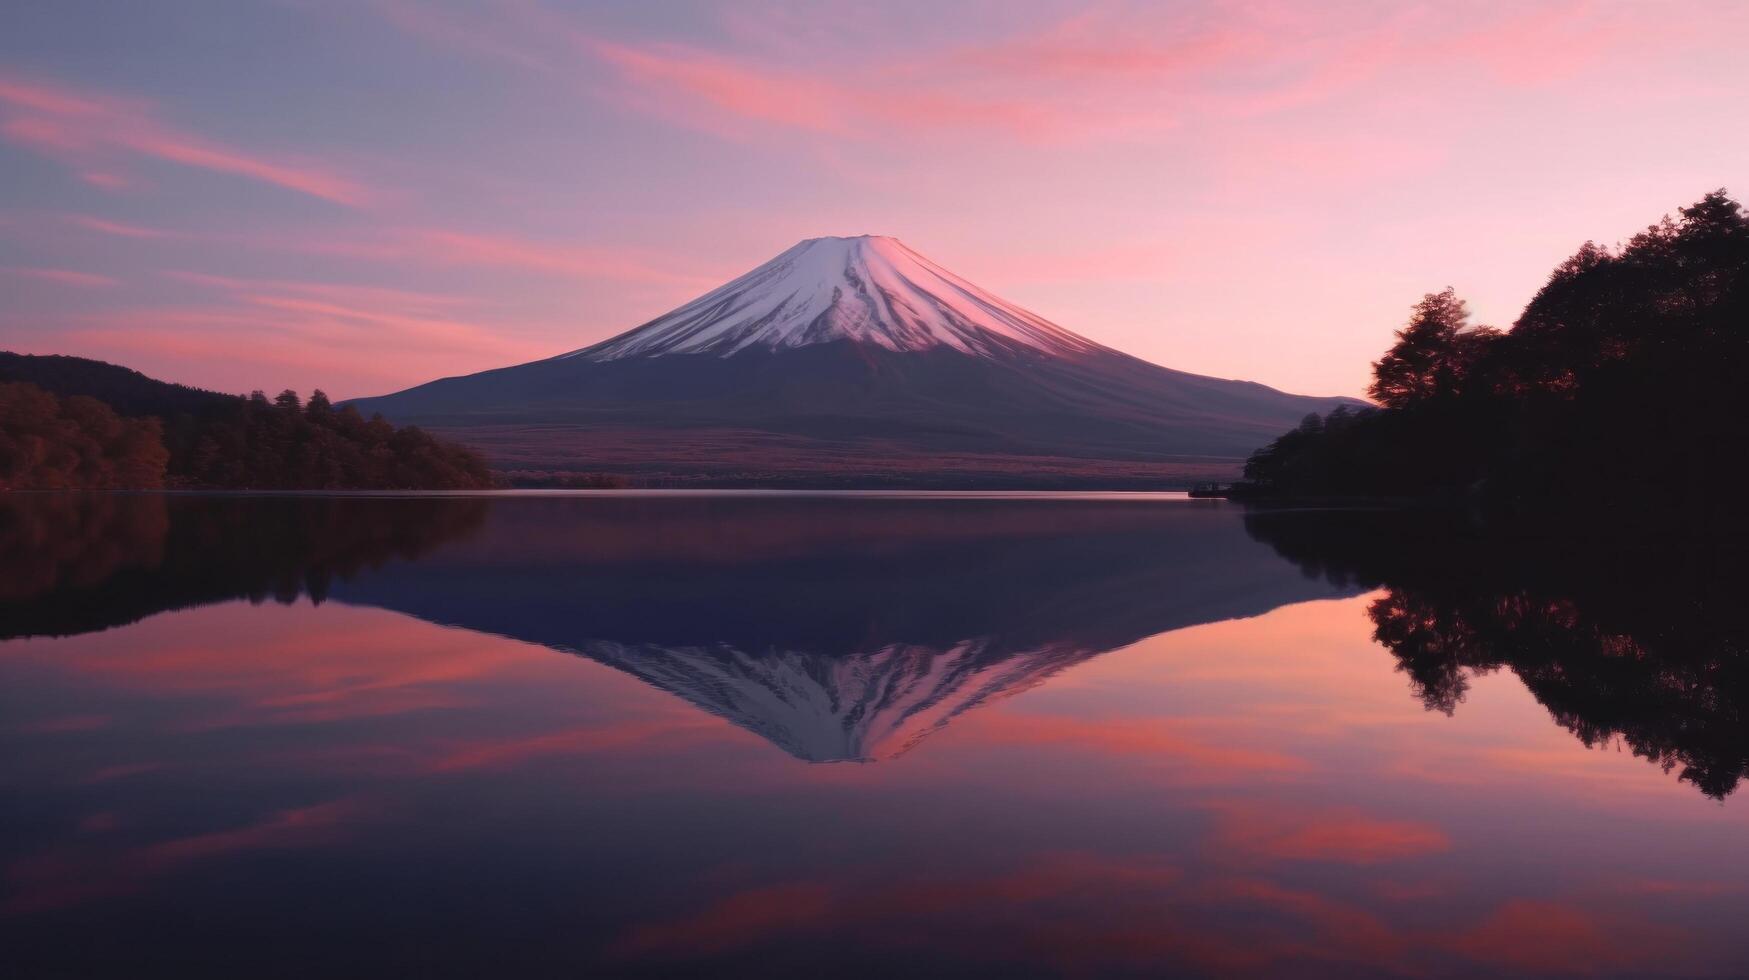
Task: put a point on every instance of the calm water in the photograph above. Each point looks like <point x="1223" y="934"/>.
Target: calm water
<point x="773" y="736"/>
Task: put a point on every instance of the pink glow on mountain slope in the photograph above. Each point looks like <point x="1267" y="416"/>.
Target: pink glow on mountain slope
<point x="868" y="288"/>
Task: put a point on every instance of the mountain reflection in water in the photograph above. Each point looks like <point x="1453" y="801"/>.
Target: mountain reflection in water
<point x="293" y="736"/>
<point x="837" y="628"/>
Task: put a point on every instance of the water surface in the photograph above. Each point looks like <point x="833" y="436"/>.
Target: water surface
<point x="583" y="735"/>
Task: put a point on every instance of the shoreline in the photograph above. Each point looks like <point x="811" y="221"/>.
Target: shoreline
<point x="887" y="494"/>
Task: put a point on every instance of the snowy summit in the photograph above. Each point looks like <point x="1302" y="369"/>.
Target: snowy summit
<point x="870" y="289"/>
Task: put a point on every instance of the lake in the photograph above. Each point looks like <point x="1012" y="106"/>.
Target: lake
<point x="856" y="735"/>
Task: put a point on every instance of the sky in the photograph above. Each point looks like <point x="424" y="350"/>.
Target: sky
<point x="363" y="195"/>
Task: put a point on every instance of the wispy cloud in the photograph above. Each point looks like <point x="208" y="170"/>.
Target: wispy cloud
<point x="346" y="338"/>
<point x="699" y="81"/>
<point x="355" y="318"/>
<point x="718" y="92"/>
<point x="443" y="246"/>
<point x="93" y="133"/>
<point x="1102" y="72"/>
<point x="117" y="228"/>
<point x="335" y="292"/>
<point x="71" y="874"/>
<point x="409" y="247"/>
<point x="714" y="92"/>
<point x="68" y="277"/>
<point x="1249" y="832"/>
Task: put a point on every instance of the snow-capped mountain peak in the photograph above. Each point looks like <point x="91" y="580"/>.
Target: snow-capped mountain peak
<point x="870" y="289"/>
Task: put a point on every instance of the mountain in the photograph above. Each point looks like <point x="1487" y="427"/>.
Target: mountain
<point x="856" y="361"/>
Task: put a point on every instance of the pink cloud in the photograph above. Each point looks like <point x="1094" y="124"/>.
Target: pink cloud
<point x="345" y="293"/>
<point x="362" y="317"/>
<point x="333" y="321"/>
<point x="711" y="92"/>
<point x="577" y="741"/>
<point x="88" y="131"/>
<point x="1094" y="46"/>
<point x="117" y="228"/>
<point x="436" y="246"/>
<point x="105" y="180"/>
<point x="1539" y="45"/>
<point x="717" y="92"/>
<point x="1091" y="75"/>
<point x="1169" y="740"/>
<point x="1263" y="831"/>
<point x="67" y="277"/>
<point x="466" y="248"/>
<point x="794" y="100"/>
<point x="293" y="340"/>
<point x="67" y="723"/>
<point x="50" y="100"/>
<point x="1098" y="75"/>
<point x="1547" y="937"/>
<point x="71" y="875"/>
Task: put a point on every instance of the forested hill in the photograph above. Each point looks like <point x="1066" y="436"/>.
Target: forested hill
<point x="1617" y="400"/>
<point x="127" y="391"/>
<point x="73" y="423"/>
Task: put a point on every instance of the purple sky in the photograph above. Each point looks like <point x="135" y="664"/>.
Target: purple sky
<point x="363" y="195"/>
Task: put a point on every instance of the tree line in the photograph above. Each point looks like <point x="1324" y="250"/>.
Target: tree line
<point x="1623" y="378"/>
<point x="286" y="444"/>
<point x="79" y="562"/>
<point x="52" y="443"/>
<point x="58" y="430"/>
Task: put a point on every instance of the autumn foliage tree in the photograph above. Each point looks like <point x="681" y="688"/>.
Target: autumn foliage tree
<point x="52" y="443"/>
<point x="69" y="422"/>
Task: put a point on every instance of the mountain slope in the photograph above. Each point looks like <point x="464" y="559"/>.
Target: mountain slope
<point x="854" y="360"/>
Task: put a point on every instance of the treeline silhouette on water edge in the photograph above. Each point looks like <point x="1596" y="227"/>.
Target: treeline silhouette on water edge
<point x="72" y="423"/>
<point x="1642" y="647"/>
<point x="80" y="562"/>
<point x="1625" y="378"/>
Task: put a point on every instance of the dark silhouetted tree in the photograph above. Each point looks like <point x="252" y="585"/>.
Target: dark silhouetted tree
<point x="1433" y="355"/>
<point x="1622" y="381"/>
<point x="287" y="445"/>
<point x="1643" y="647"/>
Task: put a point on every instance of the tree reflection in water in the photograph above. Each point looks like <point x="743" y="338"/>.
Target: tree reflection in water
<point x="1639" y="646"/>
<point x="74" y="563"/>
